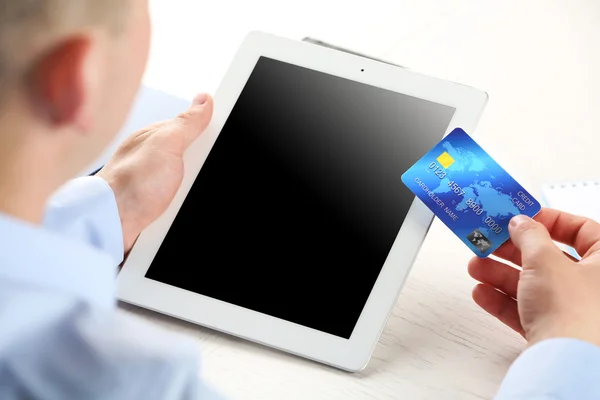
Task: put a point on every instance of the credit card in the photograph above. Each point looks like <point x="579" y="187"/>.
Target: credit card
<point x="470" y="192"/>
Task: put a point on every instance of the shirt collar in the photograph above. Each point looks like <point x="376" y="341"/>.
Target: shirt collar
<point x="34" y="256"/>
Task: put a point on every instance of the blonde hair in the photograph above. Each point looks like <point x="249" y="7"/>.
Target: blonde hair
<point x="26" y="24"/>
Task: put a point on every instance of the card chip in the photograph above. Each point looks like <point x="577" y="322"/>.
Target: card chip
<point x="445" y="160"/>
<point x="457" y="172"/>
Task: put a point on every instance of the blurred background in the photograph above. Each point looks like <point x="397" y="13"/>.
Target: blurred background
<point x="537" y="59"/>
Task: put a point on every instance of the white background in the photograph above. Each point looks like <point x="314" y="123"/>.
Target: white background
<point x="539" y="62"/>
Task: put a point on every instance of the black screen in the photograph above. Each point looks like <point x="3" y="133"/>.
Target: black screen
<point x="299" y="201"/>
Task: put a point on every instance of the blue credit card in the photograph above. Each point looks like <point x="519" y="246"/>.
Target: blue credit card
<point x="470" y="192"/>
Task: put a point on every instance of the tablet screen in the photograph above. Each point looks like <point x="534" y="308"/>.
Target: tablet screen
<point x="299" y="201"/>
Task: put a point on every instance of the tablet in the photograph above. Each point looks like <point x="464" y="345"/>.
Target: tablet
<point x="292" y="227"/>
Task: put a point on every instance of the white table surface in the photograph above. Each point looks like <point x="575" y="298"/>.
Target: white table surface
<point x="540" y="64"/>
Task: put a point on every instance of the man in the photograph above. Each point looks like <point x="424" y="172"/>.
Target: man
<point x="68" y="73"/>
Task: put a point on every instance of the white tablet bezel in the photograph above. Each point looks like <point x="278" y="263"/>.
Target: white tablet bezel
<point x="349" y="354"/>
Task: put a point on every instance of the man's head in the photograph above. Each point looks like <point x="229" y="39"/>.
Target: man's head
<point x="69" y="71"/>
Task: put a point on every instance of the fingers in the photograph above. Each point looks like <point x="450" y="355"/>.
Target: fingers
<point x="499" y="305"/>
<point x="192" y="122"/>
<point x="570" y="257"/>
<point x="533" y="241"/>
<point x="509" y="252"/>
<point x="495" y="274"/>
<point x="156" y="125"/>
<point x="579" y="232"/>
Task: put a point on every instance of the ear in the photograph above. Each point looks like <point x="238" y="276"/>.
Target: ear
<point x="60" y="83"/>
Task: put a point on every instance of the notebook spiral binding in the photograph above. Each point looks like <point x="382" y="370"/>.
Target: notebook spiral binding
<point x="564" y="185"/>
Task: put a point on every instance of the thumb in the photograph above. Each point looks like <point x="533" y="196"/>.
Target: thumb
<point x="193" y="121"/>
<point x="534" y="242"/>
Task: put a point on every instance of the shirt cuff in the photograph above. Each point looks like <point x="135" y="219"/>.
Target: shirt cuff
<point x="85" y="209"/>
<point x="554" y="369"/>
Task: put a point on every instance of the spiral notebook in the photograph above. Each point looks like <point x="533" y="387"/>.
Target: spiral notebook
<point x="580" y="198"/>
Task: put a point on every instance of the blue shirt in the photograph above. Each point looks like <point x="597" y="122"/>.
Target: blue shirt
<point x="62" y="336"/>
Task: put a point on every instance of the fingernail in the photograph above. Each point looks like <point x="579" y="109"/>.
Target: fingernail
<point x="200" y="99"/>
<point x="518" y="220"/>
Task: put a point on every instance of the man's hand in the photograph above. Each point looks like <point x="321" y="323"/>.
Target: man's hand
<point x="147" y="169"/>
<point x="553" y="295"/>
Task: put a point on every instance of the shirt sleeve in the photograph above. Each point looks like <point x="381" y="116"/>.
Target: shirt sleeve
<point x="85" y="209"/>
<point x="555" y="369"/>
<point x="75" y="351"/>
